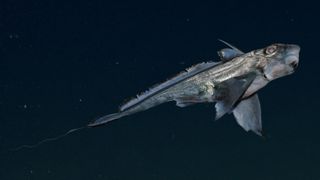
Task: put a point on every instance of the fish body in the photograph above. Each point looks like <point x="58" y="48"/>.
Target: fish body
<point x="231" y="83"/>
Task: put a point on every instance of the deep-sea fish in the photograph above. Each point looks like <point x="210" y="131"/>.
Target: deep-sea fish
<point x="232" y="84"/>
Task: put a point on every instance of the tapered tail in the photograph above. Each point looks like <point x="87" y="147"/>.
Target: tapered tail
<point x="105" y="119"/>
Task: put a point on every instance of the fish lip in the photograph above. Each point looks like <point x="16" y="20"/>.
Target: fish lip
<point x="292" y="60"/>
<point x="266" y="77"/>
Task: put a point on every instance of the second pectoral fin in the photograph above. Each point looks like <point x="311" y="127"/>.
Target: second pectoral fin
<point x="248" y="114"/>
<point x="229" y="93"/>
<point x="184" y="104"/>
<point x="187" y="101"/>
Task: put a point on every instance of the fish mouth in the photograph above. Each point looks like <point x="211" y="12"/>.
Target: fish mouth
<point x="292" y="61"/>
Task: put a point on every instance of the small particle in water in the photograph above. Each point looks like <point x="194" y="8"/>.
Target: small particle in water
<point x="80" y="100"/>
<point x="13" y="36"/>
<point x="25" y="106"/>
<point x="188" y="19"/>
<point x="31" y="172"/>
<point x="117" y="63"/>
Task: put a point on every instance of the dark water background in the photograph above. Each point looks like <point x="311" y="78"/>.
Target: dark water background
<point x="64" y="63"/>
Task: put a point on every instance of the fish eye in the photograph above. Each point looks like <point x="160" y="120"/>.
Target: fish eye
<point x="271" y="49"/>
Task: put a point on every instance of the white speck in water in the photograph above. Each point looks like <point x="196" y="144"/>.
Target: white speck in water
<point x="117" y="63"/>
<point x="13" y="36"/>
<point x="25" y="106"/>
<point x="80" y="100"/>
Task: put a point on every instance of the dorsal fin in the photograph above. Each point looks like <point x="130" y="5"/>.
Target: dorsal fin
<point x="189" y="72"/>
<point x="231" y="46"/>
<point x="227" y="54"/>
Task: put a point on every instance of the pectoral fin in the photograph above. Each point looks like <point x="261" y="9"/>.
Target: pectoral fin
<point x="229" y="93"/>
<point x="248" y="114"/>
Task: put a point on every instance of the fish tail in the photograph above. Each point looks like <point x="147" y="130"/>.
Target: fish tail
<point x="132" y="109"/>
<point x="107" y="118"/>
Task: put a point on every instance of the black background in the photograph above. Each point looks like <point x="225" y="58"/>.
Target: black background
<point x="64" y="63"/>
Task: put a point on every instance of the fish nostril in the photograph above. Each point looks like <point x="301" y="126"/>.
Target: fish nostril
<point x="294" y="64"/>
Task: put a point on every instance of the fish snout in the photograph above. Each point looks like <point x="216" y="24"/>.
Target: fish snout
<point x="292" y="58"/>
<point x="293" y="48"/>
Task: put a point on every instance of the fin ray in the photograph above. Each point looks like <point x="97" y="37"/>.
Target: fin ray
<point x="231" y="46"/>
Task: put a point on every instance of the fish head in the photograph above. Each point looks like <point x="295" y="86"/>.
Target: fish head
<point x="279" y="60"/>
